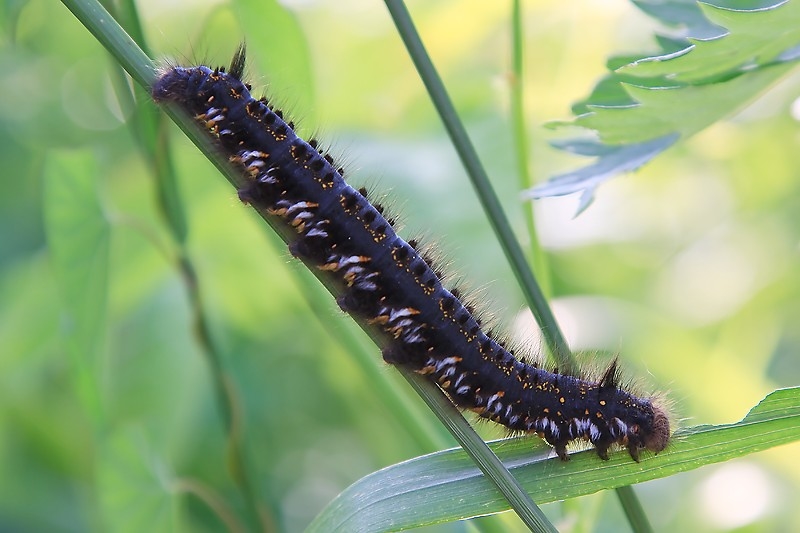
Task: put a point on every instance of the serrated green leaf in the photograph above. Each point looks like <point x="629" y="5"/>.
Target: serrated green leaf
<point x="686" y="13"/>
<point x="681" y="90"/>
<point x="446" y="486"/>
<point x="679" y="111"/>
<point x="753" y="39"/>
<point x="611" y="160"/>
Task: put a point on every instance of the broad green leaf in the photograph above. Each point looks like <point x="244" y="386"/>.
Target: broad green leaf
<point x="78" y="240"/>
<point x="446" y="486"/>
<point x="731" y="58"/>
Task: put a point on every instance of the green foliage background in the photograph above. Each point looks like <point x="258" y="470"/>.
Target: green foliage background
<point x="687" y="269"/>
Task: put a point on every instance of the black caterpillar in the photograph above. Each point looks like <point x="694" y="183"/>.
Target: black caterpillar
<point x="383" y="281"/>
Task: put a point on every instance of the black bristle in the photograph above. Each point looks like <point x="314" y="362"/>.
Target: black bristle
<point x="237" y="63"/>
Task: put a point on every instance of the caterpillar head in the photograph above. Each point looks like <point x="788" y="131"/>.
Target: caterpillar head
<point x="653" y="436"/>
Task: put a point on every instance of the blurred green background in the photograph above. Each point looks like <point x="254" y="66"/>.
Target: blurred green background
<point x="687" y="269"/>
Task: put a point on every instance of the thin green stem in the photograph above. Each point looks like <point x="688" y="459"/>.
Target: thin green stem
<point x="226" y="399"/>
<point x="492" y="467"/>
<point x="480" y="181"/>
<point x="519" y="134"/>
<point x="480" y="453"/>
<point x="211" y="499"/>
<point x="134" y="60"/>
<point x="627" y="496"/>
<point x="633" y="510"/>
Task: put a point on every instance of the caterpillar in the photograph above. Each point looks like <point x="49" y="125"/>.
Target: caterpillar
<point x="385" y="283"/>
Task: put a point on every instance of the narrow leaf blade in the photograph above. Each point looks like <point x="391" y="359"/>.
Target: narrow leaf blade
<point x="444" y="486"/>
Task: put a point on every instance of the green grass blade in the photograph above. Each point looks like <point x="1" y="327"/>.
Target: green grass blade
<point x="479" y="452"/>
<point x="446" y="486"/>
<point x="519" y="133"/>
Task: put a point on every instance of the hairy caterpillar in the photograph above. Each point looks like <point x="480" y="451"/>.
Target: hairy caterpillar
<point x="383" y="281"/>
